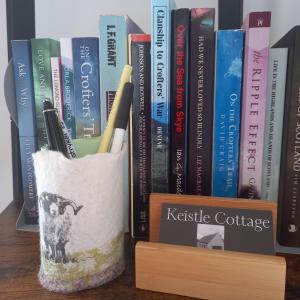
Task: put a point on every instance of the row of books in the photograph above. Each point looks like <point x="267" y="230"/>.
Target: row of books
<point x="203" y="119"/>
<point x="225" y="110"/>
<point x="80" y="76"/>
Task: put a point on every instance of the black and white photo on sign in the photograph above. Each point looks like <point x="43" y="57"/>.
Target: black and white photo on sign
<point x="210" y="236"/>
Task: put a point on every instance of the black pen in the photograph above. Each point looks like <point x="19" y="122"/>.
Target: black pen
<point x="122" y="118"/>
<point x="55" y="135"/>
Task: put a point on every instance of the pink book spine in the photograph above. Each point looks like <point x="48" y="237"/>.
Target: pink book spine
<point x="256" y="57"/>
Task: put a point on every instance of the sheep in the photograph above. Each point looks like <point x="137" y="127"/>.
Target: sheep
<point x="56" y="225"/>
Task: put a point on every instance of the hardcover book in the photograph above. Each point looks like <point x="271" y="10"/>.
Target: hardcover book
<point x="67" y="71"/>
<point x="179" y="99"/>
<point x="201" y="78"/>
<point x="289" y="187"/>
<point x="140" y="46"/>
<point x="256" y="59"/>
<point x="160" y="93"/>
<point x="273" y="123"/>
<point x="42" y="50"/>
<point x="22" y="62"/>
<point x="86" y="82"/>
<point x="226" y="131"/>
<point x="217" y="228"/>
<point x="56" y="85"/>
<point x="113" y="50"/>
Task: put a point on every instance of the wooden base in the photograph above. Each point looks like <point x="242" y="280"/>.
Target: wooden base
<point x="209" y="274"/>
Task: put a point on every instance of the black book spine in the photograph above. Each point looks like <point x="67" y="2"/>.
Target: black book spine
<point x="179" y="99"/>
<point x="141" y="134"/>
<point x="289" y="187"/>
<point x="201" y="84"/>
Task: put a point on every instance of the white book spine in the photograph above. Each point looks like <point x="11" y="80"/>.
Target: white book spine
<point x="273" y="123"/>
<point x="56" y="85"/>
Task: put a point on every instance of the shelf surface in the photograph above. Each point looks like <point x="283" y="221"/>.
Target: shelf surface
<point x="19" y="264"/>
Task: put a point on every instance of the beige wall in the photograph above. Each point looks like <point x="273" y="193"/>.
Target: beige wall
<point x="6" y="190"/>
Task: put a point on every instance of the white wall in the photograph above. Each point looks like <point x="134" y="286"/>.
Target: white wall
<point x="6" y="190"/>
<point x="57" y="18"/>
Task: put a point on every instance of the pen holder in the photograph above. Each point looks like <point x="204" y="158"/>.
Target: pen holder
<point x="80" y="219"/>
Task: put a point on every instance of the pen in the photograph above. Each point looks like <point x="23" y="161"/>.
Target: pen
<point x="122" y="117"/>
<point x="55" y="135"/>
<point x="108" y="131"/>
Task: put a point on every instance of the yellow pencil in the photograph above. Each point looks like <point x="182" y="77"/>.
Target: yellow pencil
<point x="108" y="131"/>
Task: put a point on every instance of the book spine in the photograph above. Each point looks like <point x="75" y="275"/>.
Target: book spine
<point x="226" y="132"/>
<point x="42" y="50"/>
<point x="67" y="70"/>
<point x="179" y="99"/>
<point x="21" y="52"/>
<point x="160" y="94"/>
<point x="273" y="123"/>
<point x="56" y="85"/>
<point x="256" y="60"/>
<point x="86" y="82"/>
<point x="141" y="134"/>
<point x="289" y="188"/>
<point x="201" y="78"/>
<point x="113" y="50"/>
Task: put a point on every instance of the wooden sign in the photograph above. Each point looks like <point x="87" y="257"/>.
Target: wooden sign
<point x="156" y="201"/>
<point x="207" y="273"/>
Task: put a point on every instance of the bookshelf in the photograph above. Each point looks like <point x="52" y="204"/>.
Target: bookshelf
<point x="44" y="32"/>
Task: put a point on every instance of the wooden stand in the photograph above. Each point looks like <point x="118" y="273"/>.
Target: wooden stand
<point x="205" y="273"/>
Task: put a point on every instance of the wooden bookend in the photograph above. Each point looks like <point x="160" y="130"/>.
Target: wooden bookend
<point x="209" y="274"/>
<point x="156" y="201"/>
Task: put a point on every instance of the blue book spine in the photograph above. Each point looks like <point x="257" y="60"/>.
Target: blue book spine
<point x="113" y="51"/>
<point x="86" y="82"/>
<point x="228" y="81"/>
<point x="160" y="93"/>
<point x="68" y="85"/>
<point x="21" y="51"/>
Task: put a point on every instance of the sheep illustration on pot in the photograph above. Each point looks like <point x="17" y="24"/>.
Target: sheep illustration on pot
<point x="56" y="225"/>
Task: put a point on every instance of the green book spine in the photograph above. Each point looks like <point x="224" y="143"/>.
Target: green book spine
<point x="42" y="51"/>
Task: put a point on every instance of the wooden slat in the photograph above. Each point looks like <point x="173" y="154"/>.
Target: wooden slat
<point x="209" y="274"/>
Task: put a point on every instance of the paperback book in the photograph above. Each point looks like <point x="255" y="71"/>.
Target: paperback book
<point x="179" y="99"/>
<point x="22" y="62"/>
<point x="226" y="132"/>
<point x="67" y="71"/>
<point x="160" y="94"/>
<point x="86" y="82"/>
<point x="201" y="78"/>
<point x="42" y="51"/>
<point x="289" y="187"/>
<point x="140" y="46"/>
<point x="56" y="85"/>
<point x="256" y="59"/>
<point x="274" y="123"/>
<point x="113" y="56"/>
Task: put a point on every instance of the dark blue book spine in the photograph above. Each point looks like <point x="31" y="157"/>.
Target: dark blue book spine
<point x="22" y="62"/>
<point x="86" y="82"/>
<point x="226" y="133"/>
